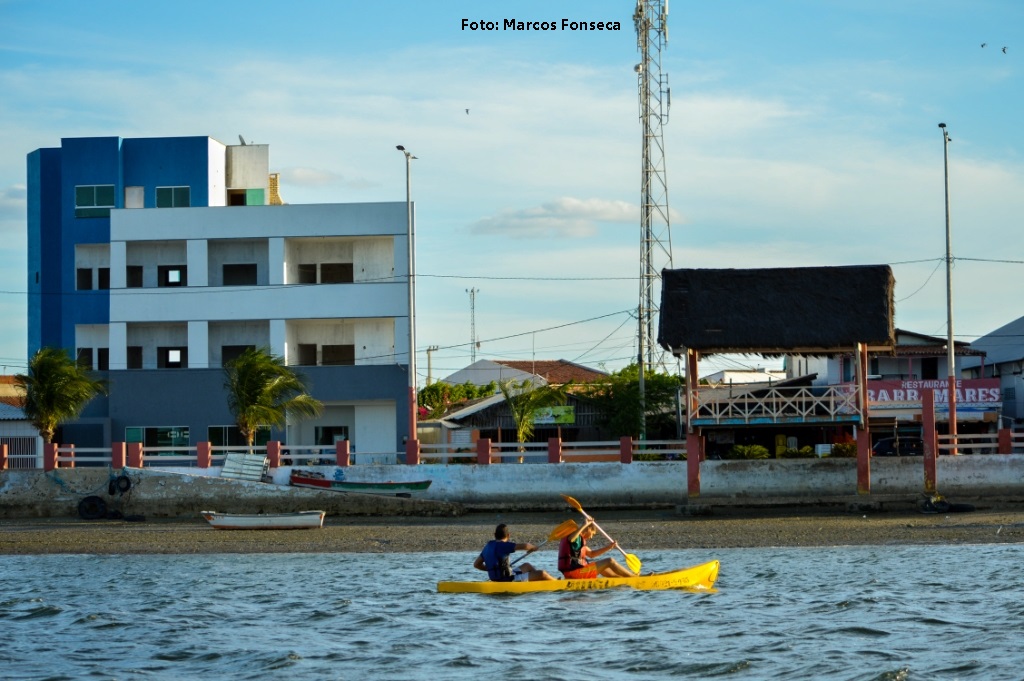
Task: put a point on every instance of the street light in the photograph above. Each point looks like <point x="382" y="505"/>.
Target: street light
<point x="950" y="351"/>
<point x="412" y="293"/>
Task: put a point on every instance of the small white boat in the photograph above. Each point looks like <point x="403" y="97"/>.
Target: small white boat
<point x="300" y="520"/>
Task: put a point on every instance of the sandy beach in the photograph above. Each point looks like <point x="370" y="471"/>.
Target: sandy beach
<point x="635" y="531"/>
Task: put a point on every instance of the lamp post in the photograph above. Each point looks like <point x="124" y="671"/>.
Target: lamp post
<point x="950" y="350"/>
<point x="412" y="293"/>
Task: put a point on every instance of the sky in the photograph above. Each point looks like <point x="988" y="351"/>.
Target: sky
<point x="800" y="133"/>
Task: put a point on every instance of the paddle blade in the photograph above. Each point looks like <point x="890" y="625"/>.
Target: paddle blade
<point x="633" y="563"/>
<point x="572" y="502"/>
<point x="563" y="530"/>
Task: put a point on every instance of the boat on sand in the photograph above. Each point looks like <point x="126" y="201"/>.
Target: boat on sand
<point x="696" y="578"/>
<point x="299" y="520"/>
<point x="317" y="480"/>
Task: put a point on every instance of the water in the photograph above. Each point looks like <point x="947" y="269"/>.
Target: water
<point x="886" y="612"/>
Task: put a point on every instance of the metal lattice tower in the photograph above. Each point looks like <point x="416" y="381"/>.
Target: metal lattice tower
<point x="650" y="19"/>
<point x="472" y="323"/>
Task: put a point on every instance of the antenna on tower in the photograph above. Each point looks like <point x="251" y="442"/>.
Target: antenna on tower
<point x="651" y="22"/>
<point x="472" y="323"/>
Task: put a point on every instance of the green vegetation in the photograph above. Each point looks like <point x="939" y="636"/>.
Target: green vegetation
<point x="748" y="452"/>
<point x="56" y="390"/>
<point x="438" y="398"/>
<point x="523" y="399"/>
<point x="262" y="391"/>
<point x="618" y="400"/>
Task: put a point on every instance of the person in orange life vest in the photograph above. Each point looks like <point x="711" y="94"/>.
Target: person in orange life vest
<point x="574" y="557"/>
<point x="494" y="559"/>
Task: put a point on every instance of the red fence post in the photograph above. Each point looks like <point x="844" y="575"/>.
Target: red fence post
<point x="204" y="454"/>
<point x="49" y="456"/>
<point x="1005" y="441"/>
<point x="342" y="452"/>
<point x="274" y="453"/>
<point x="693" y="458"/>
<point x="135" y="454"/>
<point x="117" y="454"/>
<point x="930" y="441"/>
<point x="70" y="453"/>
<point x="412" y="452"/>
<point x="3" y="457"/>
<point x="626" y="449"/>
<point x="483" y="450"/>
<point x="554" y="450"/>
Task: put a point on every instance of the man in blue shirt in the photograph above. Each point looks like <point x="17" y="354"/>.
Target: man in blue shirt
<point x="494" y="559"/>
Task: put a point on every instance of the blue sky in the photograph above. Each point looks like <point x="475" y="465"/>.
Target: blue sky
<point x="801" y="133"/>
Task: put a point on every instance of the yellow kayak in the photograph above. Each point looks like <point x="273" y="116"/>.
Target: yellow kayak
<point x="694" y="578"/>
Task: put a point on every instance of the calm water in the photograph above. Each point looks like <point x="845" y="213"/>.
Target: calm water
<point x="932" y="612"/>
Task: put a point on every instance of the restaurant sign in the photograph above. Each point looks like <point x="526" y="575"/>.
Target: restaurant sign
<point x="972" y="395"/>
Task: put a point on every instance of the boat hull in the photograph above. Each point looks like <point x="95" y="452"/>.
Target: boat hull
<point x="396" y="488"/>
<point x="697" y="577"/>
<point x="301" y="520"/>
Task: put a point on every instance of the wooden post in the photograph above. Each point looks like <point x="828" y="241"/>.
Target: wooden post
<point x="117" y="454"/>
<point x="135" y="454"/>
<point x="626" y="449"/>
<point x="929" y="440"/>
<point x="554" y="450"/>
<point x="1005" y="436"/>
<point x="204" y="454"/>
<point x="483" y="451"/>
<point x="412" y="452"/>
<point x="49" y="456"/>
<point x="343" y="453"/>
<point x="274" y="453"/>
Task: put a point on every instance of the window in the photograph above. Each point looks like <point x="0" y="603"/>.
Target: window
<point x="84" y="279"/>
<point x="307" y="354"/>
<point x="229" y="436"/>
<point x="134" y="356"/>
<point x="171" y="358"/>
<point x="94" y="200"/>
<point x="172" y="197"/>
<point x="328" y="435"/>
<point x="103" y="359"/>
<point x="84" y="358"/>
<point x="134" y="197"/>
<point x="229" y="353"/>
<point x="133" y="276"/>
<point x="158" y="436"/>
<point x="103" y="277"/>
<point x="307" y="274"/>
<point x="336" y="273"/>
<point x="172" y="275"/>
<point x="240" y="275"/>
<point x="929" y="368"/>
<point x="344" y="355"/>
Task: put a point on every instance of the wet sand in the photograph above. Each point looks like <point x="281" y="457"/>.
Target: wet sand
<point x="635" y="531"/>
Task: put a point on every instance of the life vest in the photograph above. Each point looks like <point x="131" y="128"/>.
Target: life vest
<point x="569" y="557"/>
<point x="499" y="570"/>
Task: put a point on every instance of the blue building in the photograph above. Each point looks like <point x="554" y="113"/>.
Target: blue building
<point x="156" y="261"/>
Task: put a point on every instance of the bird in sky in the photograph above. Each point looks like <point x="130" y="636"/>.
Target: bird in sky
<point x="1004" y="50"/>
<point x="467" y="110"/>
<point x="984" y="44"/>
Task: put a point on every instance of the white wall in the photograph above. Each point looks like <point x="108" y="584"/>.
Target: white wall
<point x="375" y="427"/>
<point x="216" y="171"/>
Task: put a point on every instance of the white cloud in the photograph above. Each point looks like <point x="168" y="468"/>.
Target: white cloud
<point x="565" y="217"/>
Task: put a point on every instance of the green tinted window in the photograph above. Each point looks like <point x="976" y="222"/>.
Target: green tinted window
<point x="94" y="200"/>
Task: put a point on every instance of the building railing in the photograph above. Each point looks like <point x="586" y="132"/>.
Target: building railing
<point x="774" y="405"/>
<point x="1002" y="442"/>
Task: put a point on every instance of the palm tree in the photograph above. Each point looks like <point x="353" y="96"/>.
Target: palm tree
<point x="524" y="399"/>
<point x="56" y="390"/>
<point x="262" y="391"/>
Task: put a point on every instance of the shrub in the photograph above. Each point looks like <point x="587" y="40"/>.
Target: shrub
<point x="845" y="450"/>
<point x="748" y="452"/>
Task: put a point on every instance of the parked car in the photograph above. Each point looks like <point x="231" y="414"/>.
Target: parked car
<point x="899" y="446"/>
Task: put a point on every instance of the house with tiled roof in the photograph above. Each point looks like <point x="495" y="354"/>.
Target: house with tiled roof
<point x="539" y="372"/>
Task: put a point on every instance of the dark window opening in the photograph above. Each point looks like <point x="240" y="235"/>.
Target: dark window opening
<point x="336" y="273"/>
<point x="84" y="279"/>
<point x="172" y="275"/>
<point x="171" y="358"/>
<point x="229" y="353"/>
<point x="103" y="359"/>
<point x="328" y="435"/>
<point x="307" y="274"/>
<point x="133" y="276"/>
<point x="134" y="356"/>
<point x="84" y="358"/>
<point x="236" y="197"/>
<point x="307" y="354"/>
<point x="240" y="275"/>
<point x="929" y="368"/>
<point x="103" y="276"/>
<point x="344" y="355"/>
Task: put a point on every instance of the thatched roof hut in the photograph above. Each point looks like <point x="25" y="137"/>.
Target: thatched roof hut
<point x="809" y="310"/>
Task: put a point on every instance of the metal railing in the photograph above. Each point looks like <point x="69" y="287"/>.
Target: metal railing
<point x="775" y="405"/>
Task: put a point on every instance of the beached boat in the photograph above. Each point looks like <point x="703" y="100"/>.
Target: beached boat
<point x="698" y="577"/>
<point x="300" y="520"/>
<point x="317" y="480"/>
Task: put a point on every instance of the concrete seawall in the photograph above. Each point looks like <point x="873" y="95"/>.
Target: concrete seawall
<point x="457" y="488"/>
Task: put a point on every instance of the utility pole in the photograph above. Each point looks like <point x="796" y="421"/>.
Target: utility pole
<point x="650" y="19"/>
<point x="430" y="363"/>
<point x="472" y="323"/>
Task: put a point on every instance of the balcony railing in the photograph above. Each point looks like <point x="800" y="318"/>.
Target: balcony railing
<point x="775" y="405"/>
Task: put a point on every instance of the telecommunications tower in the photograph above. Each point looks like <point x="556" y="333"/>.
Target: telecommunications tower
<point x="650" y="19"/>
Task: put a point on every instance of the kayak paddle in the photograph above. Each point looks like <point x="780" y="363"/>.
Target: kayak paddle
<point x="632" y="562"/>
<point x="560" y="532"/>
